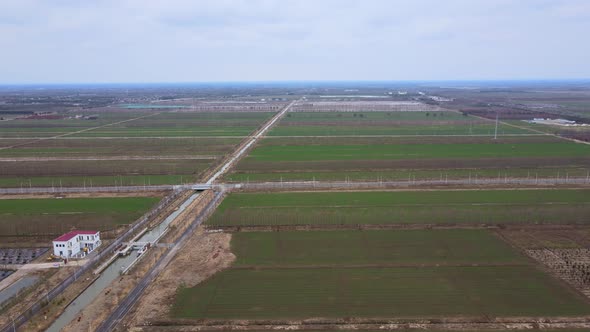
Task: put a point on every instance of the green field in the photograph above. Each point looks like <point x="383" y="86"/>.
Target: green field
<point x="417" y="151"/>
<point x="27" y="207"/>
<point x="348" y="130"/>
<point x="350" y="248"/>
<point x="400" y="158"/>
<point x="60" y="170"/>
<point x="378" y="292"/>
<point x="405" y="207"/>
<point x="50" y="217"/>
<point x="376" y="274"/>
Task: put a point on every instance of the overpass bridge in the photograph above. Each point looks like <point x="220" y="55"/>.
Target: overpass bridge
<point x="201" y="186"/>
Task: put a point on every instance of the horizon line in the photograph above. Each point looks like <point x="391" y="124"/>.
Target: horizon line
<point x="514" y="80"/>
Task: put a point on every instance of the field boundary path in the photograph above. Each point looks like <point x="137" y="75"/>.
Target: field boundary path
<point x="123" y="137"/>
<point x="19" y="159"/>
<point x="79" y="190"/>
<point x="355" y="185"/>
<point x="308" y="185"/>
<point x="376" y="324"/>
<point x="404" y="136"/>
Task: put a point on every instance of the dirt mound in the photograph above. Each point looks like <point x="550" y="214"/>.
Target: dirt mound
<point x="204" y="255"/>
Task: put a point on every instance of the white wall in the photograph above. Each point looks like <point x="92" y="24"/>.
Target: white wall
<point x="65" y="247"/>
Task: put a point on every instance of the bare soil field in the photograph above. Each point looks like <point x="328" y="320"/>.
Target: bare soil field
<point x="563" y="252"/>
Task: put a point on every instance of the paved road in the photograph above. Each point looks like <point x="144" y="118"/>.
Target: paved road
<point x="250" y="142"/>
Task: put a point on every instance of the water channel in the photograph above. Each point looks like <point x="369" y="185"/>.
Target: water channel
<point x="75" y="309"/>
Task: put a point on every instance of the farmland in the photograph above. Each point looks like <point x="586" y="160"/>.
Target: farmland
<point x="324" y="160"/>
<point x="332" y="256"/>
<point x="386" y="123"/>
<point x="400" y="292"/>
<point x="36" y="128"/>
<point x="71" y="147"/>
<point x="172" y="124"/>
<point x="47" y="218"/>
<point x="150" y="148"/>
<point x="256" y="288"/>
<point x="134" y="123"/>
<point x="393" y="146"/>
<point x="405" y="207"/>
<point x="358" y="248"/>
<point x="300" y="153"/>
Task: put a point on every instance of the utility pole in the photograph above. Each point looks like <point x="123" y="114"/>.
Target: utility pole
<point x="496" y="130"/>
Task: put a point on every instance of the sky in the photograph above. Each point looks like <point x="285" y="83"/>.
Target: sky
<point x="144" y="41"/>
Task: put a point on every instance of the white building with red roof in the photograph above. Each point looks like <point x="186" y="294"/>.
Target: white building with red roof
<point x="76" y="244"/>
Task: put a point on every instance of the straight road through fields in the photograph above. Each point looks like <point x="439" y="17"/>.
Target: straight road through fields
<point x="238" y="154"/>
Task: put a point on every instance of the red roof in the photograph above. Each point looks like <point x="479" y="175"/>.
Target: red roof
<point x="72" y="234"/>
